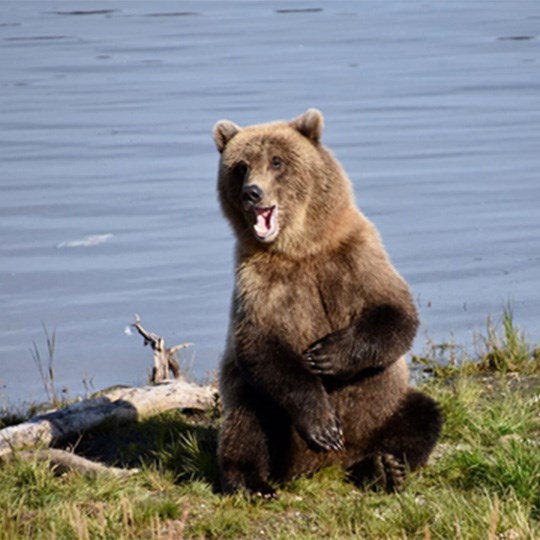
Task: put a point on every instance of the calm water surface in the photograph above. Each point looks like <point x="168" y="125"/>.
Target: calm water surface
<point x="107" y="190"/>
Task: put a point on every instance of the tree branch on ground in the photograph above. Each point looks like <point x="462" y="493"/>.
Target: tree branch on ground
<point x="124" y="404"/>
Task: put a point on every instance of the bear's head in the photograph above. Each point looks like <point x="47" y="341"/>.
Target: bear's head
<point x="280" y="188"/>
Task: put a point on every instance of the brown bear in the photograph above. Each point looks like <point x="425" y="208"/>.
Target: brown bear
<point x="313" y="372"/>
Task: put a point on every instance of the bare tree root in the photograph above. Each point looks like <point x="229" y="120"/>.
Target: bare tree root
<point x="164" y="358"/>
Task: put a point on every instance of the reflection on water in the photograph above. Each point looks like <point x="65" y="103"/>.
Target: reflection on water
<point x="108" y="203"/>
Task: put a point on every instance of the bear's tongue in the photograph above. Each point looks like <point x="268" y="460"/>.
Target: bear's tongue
<point x="265" y="221"/>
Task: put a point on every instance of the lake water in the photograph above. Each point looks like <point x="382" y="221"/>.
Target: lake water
<point x="107" y="189"/>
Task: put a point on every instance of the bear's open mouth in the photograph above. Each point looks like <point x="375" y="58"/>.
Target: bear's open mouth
<point x="266" y="226"/>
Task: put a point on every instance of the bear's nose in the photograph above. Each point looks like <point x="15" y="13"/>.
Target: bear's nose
<point x="252" y="194"/>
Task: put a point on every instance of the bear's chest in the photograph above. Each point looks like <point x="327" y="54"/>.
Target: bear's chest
<point x="297" y="302"/>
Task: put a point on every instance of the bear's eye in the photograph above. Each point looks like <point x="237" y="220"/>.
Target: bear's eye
<point x="241" y="169"/>
<point x="276" y="163"/>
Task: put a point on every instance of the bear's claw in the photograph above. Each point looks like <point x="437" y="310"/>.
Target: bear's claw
<point x="325" y="356"/>
<point x="390" y="472"/>
<point x="330" y="438"/>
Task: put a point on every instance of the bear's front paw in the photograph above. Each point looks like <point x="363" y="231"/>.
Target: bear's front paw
<point x="326" y="434"/>
<point x="251" y="488"/>
<point x="262" y="490"/>
<point x="325" y="356"/>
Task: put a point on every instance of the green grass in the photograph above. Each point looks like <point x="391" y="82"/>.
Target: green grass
<point x="507" y="350"/>
<point x="46" y="368"/>
<point x="502" y="349"/>
<point x="483" y="480"/>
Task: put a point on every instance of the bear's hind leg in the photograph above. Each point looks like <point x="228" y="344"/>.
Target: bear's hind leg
<point x="380" y="470"/>
<point x="403" y="444"/>
<point x="244" y="454"/>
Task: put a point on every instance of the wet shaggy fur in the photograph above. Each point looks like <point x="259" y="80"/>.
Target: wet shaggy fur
<point x="313" y="372"/>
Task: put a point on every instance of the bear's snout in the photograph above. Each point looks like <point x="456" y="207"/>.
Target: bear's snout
<point x="252" y="194"/>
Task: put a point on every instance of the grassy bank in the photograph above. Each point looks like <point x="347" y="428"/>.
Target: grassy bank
<point x="483" y="481"/>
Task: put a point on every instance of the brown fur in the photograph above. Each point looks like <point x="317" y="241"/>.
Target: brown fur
<point x="313" y="372"/>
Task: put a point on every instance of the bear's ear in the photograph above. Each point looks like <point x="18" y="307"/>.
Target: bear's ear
<point x="310" y="124"/>
<point x="223" y="132"/>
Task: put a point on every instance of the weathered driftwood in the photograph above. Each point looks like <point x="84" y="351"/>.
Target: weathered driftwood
<point x="119" y="404"/>
<point x="164" y="358"/>
<point x="62" y="461"/>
